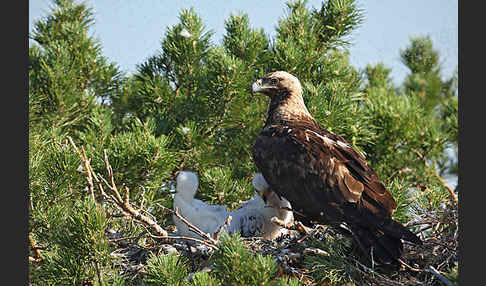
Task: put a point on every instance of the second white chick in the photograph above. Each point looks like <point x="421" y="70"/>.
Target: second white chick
<point x="275" y="206"/>
<point x="253" y="218"/>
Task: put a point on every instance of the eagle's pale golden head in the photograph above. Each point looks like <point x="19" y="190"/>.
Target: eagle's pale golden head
<point x="285" y="92"/>
<point x="276" y="84"/>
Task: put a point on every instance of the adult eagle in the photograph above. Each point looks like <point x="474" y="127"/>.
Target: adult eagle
<point x="325" y="179"/>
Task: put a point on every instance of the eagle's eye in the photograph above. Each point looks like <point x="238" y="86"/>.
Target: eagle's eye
<point x="274" y="81"/>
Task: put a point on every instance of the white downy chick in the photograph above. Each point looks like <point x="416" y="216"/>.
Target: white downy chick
<point x="208" y="218"/>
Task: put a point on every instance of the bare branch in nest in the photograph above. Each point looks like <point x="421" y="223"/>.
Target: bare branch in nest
<point x="89" y="171"/>
<point x="373" y="276"/>
<point x="174" y="237"/>
<point x="315" y="251"/>
<point x="192" y="227"/>
<point x="86" y="165"/>
<point x="34" y="260"/>
<point x="440" y="276"/>
<point x="408" y="266"/>
<point x="218" y="232"/>
<point x="125" y="205"/>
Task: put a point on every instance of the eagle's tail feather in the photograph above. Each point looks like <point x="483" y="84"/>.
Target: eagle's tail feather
<point x="397" y="230"/>
<point x="378" y="246"/>
<point x="384" y="243"/>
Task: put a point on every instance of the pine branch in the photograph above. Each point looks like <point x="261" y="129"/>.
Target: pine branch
<point x="453" y="196"/>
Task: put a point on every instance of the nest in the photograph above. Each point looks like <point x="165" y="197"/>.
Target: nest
<point x="424" y="264"/>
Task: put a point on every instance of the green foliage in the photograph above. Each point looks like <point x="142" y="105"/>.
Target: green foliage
<point x="308" y="42"/>
<point x="140" y="158"/>
<point x="249" y="45"/>
<point x="76" y="236"/>
<point x="234" y="264"/>
<point x="425" y="80"/>
<point x="453" y="275"/>
<point x="169" y="270"/>
<point x="225" y="189"/>
<point x="332" y="268"/>
<point x="67" y="72"/>
<point x="204" y="279"/>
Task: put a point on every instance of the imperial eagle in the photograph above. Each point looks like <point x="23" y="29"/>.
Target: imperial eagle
<point x="325" y="179"/>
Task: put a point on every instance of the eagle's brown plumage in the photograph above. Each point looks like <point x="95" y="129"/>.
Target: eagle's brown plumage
<point x="323" y="176"/>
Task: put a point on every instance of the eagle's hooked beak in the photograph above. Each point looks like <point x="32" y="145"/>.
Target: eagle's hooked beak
<point x="256" y="87"/>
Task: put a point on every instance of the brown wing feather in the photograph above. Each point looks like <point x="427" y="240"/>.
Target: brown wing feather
<point x="328" y="169"/>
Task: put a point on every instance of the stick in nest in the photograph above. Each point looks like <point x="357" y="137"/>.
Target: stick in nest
<point x="438" y="275"/>
<point x="205" y="236"/>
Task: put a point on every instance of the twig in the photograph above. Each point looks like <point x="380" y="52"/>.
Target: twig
<point x="38" y="256"/>
<point x="185" y="238"/>
<point x="192" y="227"/>
<point x="296" y="225"/>
<point x="86" y="166"/>
<point x="315" y="251"/>
<point x="368" y="271"/>
<point x="125" y="205"/>
<point x="88" y="172"/>
<point x="451" y="191"/>
<point x="438" y="275"/>
<point x="98" y="273"/>
<point x="226" y="223"/>
<point x="34" y="260"/>
<point x="408" y="266"/>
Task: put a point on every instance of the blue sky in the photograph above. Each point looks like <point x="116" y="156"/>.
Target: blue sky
<point x="130" y="31"/>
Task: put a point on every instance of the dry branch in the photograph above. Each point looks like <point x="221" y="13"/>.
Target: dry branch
<point x="206" y="237"/>
<point x="128" y="210"/>
<point x="440" y="276"/>
<point x="88" y="172"/>
<point x="223" y="226"/>
<point x="125" y="205"/>
<point x="37" y="255"/>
